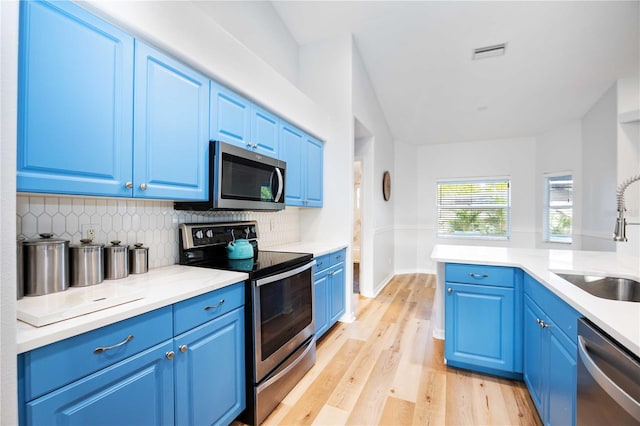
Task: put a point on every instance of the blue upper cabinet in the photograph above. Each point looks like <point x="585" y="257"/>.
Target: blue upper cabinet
<point x="237" y="121"/>
<point x="171" y="123"/>
<point x="265" y="131"/>
<point x="304" y="157"/>
<point x="292" y="152"/>
<point x="75" y="102"/>
<point x="314" y="172"/>
<point x="230" y="117"/>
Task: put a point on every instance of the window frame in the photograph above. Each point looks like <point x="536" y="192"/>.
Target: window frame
<point x="476" y="180"/>
<point x="547" y="236"/>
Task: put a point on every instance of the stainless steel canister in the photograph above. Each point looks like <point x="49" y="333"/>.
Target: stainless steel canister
<point x="138" y="259"/>
<point x="86" y="262"/>
<point x="46" y="268"/>
<point x="116" y="261"/>
<point x="20" y="271"/>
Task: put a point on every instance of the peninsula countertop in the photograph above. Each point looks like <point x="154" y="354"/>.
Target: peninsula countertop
<point x="621" y="320"/>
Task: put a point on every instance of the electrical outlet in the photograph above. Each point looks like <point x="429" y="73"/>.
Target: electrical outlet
<point x="90" y="230"/>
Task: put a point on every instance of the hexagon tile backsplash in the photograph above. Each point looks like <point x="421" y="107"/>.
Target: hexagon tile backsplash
<point x="153" y="223"/>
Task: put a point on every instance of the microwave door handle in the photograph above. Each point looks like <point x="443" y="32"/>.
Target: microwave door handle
<point x="280" y="185"/>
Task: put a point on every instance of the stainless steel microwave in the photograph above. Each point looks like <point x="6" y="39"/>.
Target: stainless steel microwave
<point x="240" y="179"/>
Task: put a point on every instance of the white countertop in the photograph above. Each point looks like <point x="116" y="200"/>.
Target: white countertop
<point x="619" y="319"/>
<point x="159" y="287"/>
<point x="316" y="248"/>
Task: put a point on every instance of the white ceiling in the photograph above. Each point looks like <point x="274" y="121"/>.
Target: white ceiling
<point x="560" y="58"/>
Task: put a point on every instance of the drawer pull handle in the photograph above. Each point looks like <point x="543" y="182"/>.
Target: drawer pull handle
<point x="169" y="355"/>
<point x="472" y="275"/>
<point x="101" y="349"/>
<point x="217" y="305"/>
<point x="449" y="290"/>
<point x="183" y="348"/>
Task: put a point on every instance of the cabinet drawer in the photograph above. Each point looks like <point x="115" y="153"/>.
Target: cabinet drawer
<point x="480" y="274"/>
<point x="337" y="257"/>
<point x="323" y="262"/>
<point x="563" y="315"/>
<point x="198" y="310"/>
<point x="52" y="366"/>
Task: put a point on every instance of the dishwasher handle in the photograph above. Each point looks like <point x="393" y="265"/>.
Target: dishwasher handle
<point x="618" y="394"/>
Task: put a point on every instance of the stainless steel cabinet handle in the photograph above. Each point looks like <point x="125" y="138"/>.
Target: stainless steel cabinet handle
<point x="449" y="290"/>
<point x="169" y="355"/>
<point x="255" y="146"/>
<point x="472" y="275"/>
<point x="128" y="185"/>
<point x="541" y="323"/>
<point x="612" y="389"/>
<point x="101" y="349"/>
<point x="143" y="186"/>
<point x="217" y="305"/>
<point x="183" y="348"/>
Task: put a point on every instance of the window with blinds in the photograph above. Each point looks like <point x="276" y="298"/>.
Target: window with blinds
<point x="558" y="212"/>
<point x="474" y="208"/>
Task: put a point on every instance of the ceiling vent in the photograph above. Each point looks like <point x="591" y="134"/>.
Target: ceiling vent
<point x="489" y="51"/>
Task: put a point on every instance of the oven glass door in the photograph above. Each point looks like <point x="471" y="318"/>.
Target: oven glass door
<point x="283" y="316"/>
<point x="246" y="179"/>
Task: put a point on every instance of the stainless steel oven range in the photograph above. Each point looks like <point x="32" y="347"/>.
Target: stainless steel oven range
<point x="280" y="344"/>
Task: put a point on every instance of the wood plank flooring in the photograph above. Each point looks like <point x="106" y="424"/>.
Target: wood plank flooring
<point x="386" y="369"/>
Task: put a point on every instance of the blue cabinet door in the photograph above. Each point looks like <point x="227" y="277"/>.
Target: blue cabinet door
<point x="171" y="116"/>
<point x="321" y="302"/>
<point x="534" y="352"/>
<point x="136" y="391"/>
<point x="337" y="293"/>
<point x="292" y="151"/>
<point x="562" y="370"/>
<point x="230" y="117"/>
<point x="265" y="132"/>
<point x="479" y="327"/>
<point x="210" y="371"/>
<point x="75" y="116"/>
<point x="314" y="161"/>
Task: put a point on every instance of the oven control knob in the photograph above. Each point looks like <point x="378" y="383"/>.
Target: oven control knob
<point x="199" y="234"/>
<point x="209" y="233"/>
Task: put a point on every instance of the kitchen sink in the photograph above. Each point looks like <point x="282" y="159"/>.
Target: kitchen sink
<point x="606" y="287"/>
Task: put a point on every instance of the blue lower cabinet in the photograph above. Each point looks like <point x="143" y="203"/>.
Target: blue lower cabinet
<point x="483" y="319"/>
<point x="480" y="327"/>
<point x="321" y="302"/>
<point x="154" y="376"/>
<point x="550" y="348"/>
<point x="329" y="285"/>
<point x="210" y="371"/>
<point x="137" y="391"/>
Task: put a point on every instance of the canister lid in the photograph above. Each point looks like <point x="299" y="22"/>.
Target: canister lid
<point x="138" y="247"/>
<point x="115" y="247"/>
<point x="45" y="238"/>
<point x="87" y="243"/>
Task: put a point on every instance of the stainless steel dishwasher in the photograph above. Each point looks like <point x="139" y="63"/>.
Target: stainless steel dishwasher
<point x="608" y="380"/>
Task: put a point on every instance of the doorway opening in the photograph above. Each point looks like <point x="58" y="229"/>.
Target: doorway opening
<point x="363" y="201"/>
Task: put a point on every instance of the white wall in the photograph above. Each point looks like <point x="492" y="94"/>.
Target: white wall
<point x="628" y="160"/>
<point x="258" y="26"/>
<point x="512" y="158"/>
<point x="599" y="165"/>
<point x="8" y="132"/>
<point x="560" y="150"/>
<point x="367" y="111"/>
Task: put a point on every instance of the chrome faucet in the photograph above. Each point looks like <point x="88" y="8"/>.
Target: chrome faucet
<point x="620" y="231"/>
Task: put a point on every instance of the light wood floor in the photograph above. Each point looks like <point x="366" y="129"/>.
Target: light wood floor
<point x="386" y="369"/>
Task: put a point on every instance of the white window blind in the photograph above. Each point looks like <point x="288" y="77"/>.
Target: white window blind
<point x="474" y="208"/>
<point x="558" y="213"/>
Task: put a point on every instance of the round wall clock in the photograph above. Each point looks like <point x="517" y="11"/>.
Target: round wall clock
<point x="386" y="185"/>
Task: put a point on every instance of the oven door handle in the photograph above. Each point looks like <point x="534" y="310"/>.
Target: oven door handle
<point x="618" y="394"/>
<point x="286" y="274"/>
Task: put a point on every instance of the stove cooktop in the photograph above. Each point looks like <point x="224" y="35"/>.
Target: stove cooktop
<point x="204" y="245"/>
<point x="264" y="263"/>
